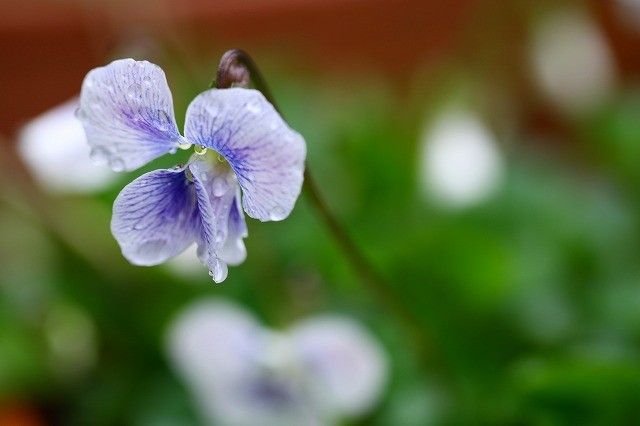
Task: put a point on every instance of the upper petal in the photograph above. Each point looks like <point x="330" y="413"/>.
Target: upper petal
<point x="265" y="153"/>
<point x="127" y="113"/>
<point x="215" y="189"/>
<point x="156" y="217"/>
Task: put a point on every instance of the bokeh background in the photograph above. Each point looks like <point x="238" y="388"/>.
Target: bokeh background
<point x="484" y="156"/>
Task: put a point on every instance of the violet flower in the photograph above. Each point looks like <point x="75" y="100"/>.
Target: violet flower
<point x="247" y="158"/>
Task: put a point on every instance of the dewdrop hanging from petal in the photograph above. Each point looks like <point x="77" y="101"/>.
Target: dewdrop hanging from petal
<point x="246" y="159"/>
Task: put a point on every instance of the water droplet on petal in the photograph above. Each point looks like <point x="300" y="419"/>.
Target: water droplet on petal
<point x="219" y="186"/>
<point x="218" y="271"/>
<point x="99" y="155"/>
<point x="254" y="107"/>
<point x="278" y="213"/>
<point x="184" y="144"/>
<point x="134" y="92"/>
<point x="164" y="121"/>
<point x="173" y="150"/>
<point x="146" y="81"/>
<point x="79" y="113"/>
<point x="213" y="108"/>
<point x="219" y="236"/>
<point x="200" y="150"/>
<point x="139" y="225"/>
<point x="116" y="164"/>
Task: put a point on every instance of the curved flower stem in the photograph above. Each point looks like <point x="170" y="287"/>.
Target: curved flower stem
<point x="237" y="69"/>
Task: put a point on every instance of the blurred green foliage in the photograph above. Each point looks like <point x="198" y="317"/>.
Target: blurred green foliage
<point x="531" y="298"/>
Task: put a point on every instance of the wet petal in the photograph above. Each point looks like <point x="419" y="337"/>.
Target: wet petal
<point x="346" y="367"/>
<point x="266" y="155"/>
<point x="233" y="252"/>
<point x="127" y="113"/>
<point x="156" y="217"/>
<point x="215" y="188"/>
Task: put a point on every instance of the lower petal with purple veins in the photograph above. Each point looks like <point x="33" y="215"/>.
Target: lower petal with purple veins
<point x="216" y="188"/>
<point x="156" y="217"/>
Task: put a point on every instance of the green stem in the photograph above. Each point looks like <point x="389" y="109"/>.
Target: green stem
<point x="238" y="69"/>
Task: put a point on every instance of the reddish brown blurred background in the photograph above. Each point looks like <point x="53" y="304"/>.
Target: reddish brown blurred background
<point x="50" y="45"/>
<point x="47" y="46"/>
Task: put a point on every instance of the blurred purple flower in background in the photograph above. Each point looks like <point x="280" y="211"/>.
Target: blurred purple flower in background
<point x="320" y="371"/>
<point x="127" y="113"/>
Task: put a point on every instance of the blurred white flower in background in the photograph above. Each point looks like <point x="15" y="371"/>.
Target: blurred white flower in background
<point x="460" y="162"/>
<point x="319" y="372"/>
<point x="54" y="148"/>
<point x="571" y="61"/>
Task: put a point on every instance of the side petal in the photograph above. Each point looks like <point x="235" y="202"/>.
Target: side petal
<point x="265" y="153"/>
<point x="346" y="366"/>
<point x="215" y="189"/>
<point x="156" y="217"/>
<point x="127" y="113"/>
<point x="233" y="252"/>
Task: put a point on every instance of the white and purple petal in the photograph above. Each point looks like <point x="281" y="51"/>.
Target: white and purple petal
<point x="264" y="152"/>
<point x="233" y="251"/>
<point x="127" y="113"/>
<point x="216" y="188"/>
<point x="156" y="217"/>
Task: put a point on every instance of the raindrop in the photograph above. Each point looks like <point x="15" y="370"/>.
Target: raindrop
<point x="254" y="107"/>
<point x="163" y="120"/>
<point x="146" y="81"/>
<point x="116" y="164"/>
<point x="213" y="108"/>
<point x="278" y="213"/>
<point x="200" y="150"/>
<point x="184" y="144"/>
<point x="173" y="150"/>
<point x="219" y="236"/>
<point x="218" y="271"/>
<point x="219" y="186"/>
<point x="139" y="225"/>
<point x="134" y="92"/>
<point x="99" y="155"/>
